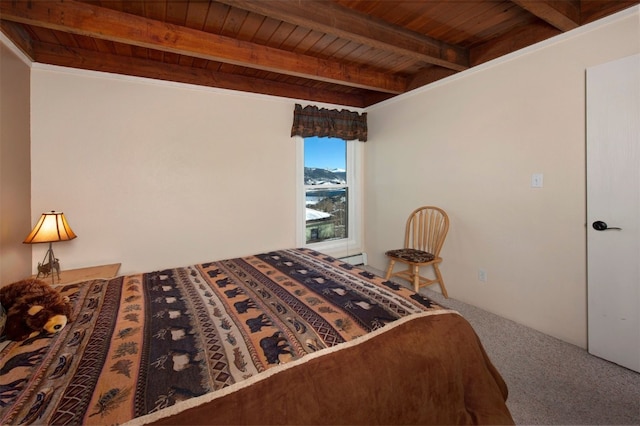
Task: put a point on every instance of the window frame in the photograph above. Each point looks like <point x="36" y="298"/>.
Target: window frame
<point x="351" y="245"/>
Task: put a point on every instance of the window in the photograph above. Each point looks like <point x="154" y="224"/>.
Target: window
<point x="329" y="201"/>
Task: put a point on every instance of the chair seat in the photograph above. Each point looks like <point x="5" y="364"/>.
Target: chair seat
<point x="411" y="255"/>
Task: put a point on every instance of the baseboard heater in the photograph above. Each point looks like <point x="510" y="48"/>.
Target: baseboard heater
<point x="356" y="259"/>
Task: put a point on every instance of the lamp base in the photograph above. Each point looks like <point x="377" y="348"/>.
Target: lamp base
<point x="53" y="265"/>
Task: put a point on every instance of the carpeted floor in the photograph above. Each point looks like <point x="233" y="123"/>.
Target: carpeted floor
<point x="551" y="382"/>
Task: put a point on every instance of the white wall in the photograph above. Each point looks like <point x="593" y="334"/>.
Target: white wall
<point x="470" y="144"/>
<point x="15" y="183"/>
<point x="155" y="175"/>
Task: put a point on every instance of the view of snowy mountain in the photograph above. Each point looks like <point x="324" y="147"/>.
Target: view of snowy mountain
<point x="317" y="176"/>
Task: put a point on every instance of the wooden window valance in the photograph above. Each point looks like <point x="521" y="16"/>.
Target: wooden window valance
<point x="313" y="121"/>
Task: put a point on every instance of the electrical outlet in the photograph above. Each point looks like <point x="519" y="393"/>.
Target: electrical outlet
<point x="482" y="275"/>
<point x="537" y="180"/>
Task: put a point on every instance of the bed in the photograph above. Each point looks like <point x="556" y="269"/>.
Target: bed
<point x="285" y="337"/>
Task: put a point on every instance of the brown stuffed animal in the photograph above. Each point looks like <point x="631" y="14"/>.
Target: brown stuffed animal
<point x="33" y="306"/>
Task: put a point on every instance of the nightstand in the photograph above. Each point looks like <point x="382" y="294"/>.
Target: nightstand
<point x="84" y="274"/>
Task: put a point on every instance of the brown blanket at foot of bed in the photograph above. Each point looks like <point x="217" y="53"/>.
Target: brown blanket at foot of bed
<point x="429" y="370"/>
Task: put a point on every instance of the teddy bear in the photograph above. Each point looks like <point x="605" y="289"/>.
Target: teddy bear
<point x="32" y="306"/>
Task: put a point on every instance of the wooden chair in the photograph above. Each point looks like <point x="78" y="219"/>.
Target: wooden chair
<point x="424" y="236"/>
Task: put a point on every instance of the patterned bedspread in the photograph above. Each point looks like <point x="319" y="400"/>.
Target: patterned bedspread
<point x="140" y="343"/>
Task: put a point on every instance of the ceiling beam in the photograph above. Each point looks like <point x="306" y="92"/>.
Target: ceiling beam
<point x="76" y="57"/>
<point x="512" y="41"/>
<point x="429" y="75"/>
<point x="92" y="21"/>
<point x="563" y="15"/>
<point x="331" y="18"/>
<point x="18" y="36"/>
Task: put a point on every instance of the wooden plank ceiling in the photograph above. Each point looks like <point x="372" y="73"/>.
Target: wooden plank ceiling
<point x="344" y="52"/>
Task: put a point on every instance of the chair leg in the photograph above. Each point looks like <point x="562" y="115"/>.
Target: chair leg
<point x="416" y="278"/>
<point x="440" y="280"/>
<point x="389" y="269"/>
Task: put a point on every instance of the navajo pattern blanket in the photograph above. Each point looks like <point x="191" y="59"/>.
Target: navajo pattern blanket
<point x="141" y="343"/>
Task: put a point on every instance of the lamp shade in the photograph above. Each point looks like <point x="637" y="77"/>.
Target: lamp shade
<point x="50" y="228"/>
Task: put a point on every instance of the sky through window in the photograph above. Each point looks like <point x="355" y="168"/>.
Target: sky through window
<point x="324" y="153"/>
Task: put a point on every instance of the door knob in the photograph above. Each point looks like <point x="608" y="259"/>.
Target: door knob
<point x="599" y="225"/>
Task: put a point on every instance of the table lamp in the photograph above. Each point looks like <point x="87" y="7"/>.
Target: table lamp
<point x="51" y="227"/>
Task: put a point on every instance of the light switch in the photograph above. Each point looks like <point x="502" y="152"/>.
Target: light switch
<point x="536" y="180"/>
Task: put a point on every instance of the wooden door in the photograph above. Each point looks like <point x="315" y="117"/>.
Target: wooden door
<point x="613" y="201"/>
